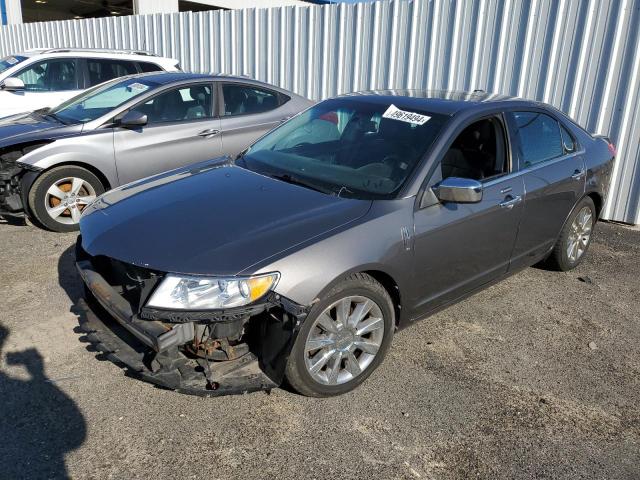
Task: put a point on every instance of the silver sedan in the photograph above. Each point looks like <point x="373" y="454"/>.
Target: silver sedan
<point x="54" y="162"/>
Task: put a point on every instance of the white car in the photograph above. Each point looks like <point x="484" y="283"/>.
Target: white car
<point x="45" y="78"/>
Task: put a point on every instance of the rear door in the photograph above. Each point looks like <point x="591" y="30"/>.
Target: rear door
<point x="181" y="130"/>
<point x="247" y="112"/>
<point x="553" y="170"/>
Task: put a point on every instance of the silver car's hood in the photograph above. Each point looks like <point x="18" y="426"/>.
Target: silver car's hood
<point x="212" y="219"/>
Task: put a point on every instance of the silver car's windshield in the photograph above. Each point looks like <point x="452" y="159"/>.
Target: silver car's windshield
<point x="348" y="146"/>
<point x="7" y="62"/>
<point x="101" y="100"/>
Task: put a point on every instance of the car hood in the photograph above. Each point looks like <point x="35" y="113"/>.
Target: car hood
<point x="213" y="218"/>
<point x="26" y="127"/>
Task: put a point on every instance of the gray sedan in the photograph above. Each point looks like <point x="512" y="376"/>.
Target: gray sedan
<point x="54" y="162"/>
<point x="303" y="255"/>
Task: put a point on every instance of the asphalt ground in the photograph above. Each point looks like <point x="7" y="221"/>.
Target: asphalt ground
<point x="536" y="377"/>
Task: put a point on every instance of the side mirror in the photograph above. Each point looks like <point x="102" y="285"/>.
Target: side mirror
<point x="459" y="190"/>
<point x="133" y="119"/>
<point x="13" y="84"/>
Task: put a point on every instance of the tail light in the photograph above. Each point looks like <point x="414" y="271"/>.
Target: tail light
<point x="612" y="149"/>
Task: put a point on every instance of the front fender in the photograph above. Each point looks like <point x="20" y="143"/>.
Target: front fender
<point x="94" y="149"/>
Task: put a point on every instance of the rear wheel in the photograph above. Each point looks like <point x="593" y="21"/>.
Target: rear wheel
<point x="575" y="237"/>
<point x="343" y="340"/>
<point x="58" y="196"/>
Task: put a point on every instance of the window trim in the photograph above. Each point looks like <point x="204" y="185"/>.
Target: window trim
<point x="282" y="98"/>
<point x="79" y="77"/>
<point x="176" y="87"/>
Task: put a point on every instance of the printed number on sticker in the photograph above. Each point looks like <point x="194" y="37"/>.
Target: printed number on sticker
<point x="395" y="113"/>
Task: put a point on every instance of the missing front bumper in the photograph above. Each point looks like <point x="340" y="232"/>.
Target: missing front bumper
<point x="153" y="351"/>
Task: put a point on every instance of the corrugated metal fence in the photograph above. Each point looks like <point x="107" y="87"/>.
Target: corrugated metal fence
<point x="582" y="56"/>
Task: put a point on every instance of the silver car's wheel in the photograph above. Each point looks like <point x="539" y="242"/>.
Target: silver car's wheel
<point x="580" y="234"/>
<point x="344" y="340"/>
<point x="58" y="196"/>
<point x="67" y="197"/>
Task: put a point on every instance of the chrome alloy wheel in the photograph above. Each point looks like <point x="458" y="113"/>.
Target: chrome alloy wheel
<point x="344" y="340"/>
<point x="66" y="199"/>
<point x="580" y="234"/>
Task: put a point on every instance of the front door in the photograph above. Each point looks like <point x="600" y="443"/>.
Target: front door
<point x="554" y="176"/>
<point x="181" y="130"/>
<point x="461" y="246"/>
<point x="47" y="83"/>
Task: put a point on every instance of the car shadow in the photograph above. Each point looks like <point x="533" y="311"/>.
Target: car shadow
<point x="39" y="423"/>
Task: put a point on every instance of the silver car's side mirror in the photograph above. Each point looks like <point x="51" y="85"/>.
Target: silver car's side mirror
<point x="133" y="119"/>
<point x="459" y="190"/>
<point x="13" y="84"/>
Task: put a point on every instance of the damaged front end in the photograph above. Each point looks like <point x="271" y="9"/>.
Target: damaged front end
<point x="15" y="179"/>
<point x="210" y="353"/>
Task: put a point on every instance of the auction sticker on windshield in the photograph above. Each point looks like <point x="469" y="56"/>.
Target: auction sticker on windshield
<point x="138" y="86"/>
<point x="395" y="113"/>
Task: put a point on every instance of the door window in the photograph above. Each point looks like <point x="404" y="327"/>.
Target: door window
<point x="180" y="104"/>
<point x="478" y="152"/>
<point x="247" y="99"/>
<point x="102" y="70"/>
<point x="539" y="137"/>
<point x="50" y="76"/>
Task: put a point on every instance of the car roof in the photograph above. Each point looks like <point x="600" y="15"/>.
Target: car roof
<point x="164" y="78"/>
<point x="447" y="102"/>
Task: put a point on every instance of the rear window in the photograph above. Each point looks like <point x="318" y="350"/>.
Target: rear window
<point x="149" y="67"/>
<point x="539" y="135"/>
<point x="103" y="70"/>
<point x="247" y="99"/>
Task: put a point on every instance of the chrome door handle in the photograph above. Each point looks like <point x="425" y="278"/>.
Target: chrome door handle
<point x="209" y="133"/>
<point x="578" y="174"/>
<point x="285" y="118"/>
<point x="511" y="202"/>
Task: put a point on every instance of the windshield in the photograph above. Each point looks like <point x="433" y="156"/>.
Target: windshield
<point x="7" y="62"/>
<point x="101" y="100"/>
<point x="351" y="147"/>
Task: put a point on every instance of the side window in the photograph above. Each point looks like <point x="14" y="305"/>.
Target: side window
<point x="180" y="104"/>
<point x="147" y="67"/>
<point x="479" y="152"/>
<point x="50" y="76"/>
<point x="101" y="70"/>
<point x="539" y="136"/>
<point x="568" y="143"/>
<point x="246" y="99"/>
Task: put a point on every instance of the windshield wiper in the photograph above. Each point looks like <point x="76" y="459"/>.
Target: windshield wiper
<point x="55" y="117"/>
<point x="285" y="177"/>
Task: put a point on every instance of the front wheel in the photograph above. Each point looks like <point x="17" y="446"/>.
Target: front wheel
<point x="344" y="338"/>
<point x="59" y="195"/>
<point x="575" y="238"/>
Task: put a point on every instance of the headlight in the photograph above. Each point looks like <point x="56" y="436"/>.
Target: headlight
<point x="206" y="293"/>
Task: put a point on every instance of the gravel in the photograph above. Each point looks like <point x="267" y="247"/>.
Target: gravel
<point x="506" y="384"/>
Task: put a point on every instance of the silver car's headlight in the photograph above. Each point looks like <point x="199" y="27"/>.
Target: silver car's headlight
<point x="205" y="293"/>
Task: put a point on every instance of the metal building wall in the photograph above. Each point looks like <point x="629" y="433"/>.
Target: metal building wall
<point x="582" y="56"/>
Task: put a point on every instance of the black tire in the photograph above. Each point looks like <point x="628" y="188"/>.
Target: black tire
<point x="559" y="257"/>
<point x="358" y="284"/>
<point x="38" y="196"/>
